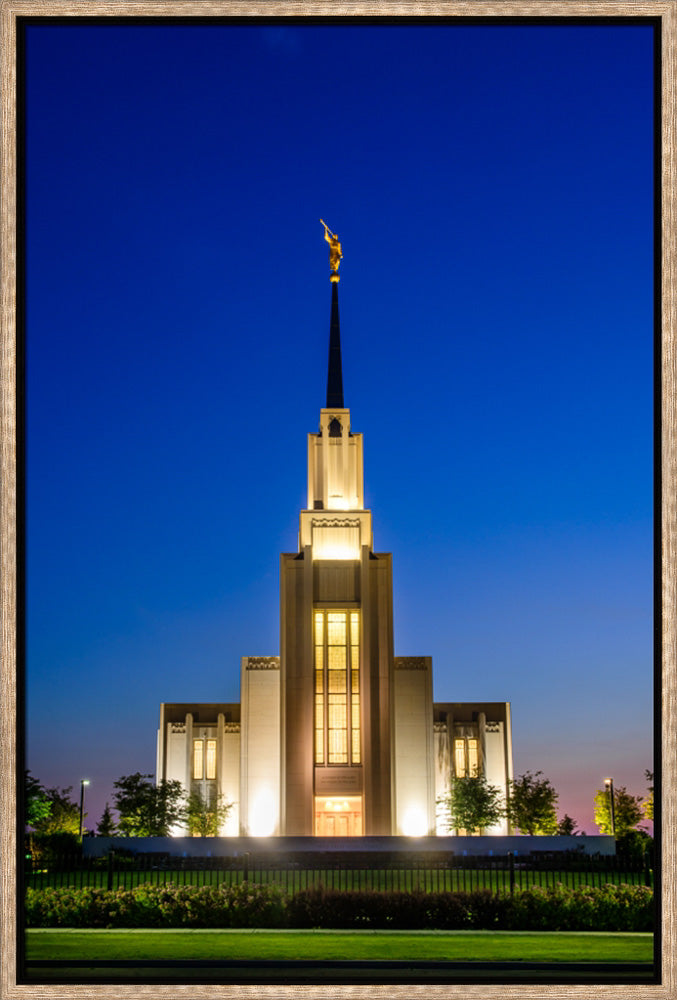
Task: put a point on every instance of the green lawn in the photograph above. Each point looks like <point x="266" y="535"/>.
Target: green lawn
<point x="422" y="946"/>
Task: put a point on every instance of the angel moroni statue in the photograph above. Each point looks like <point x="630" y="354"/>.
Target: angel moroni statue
<point x="335" y="253"/>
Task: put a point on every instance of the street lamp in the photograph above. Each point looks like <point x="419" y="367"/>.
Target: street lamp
<point x="609" y="784"/>
<point x="83" y="782"/>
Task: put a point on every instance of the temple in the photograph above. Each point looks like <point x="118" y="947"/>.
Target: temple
<point x="336" y="736"/>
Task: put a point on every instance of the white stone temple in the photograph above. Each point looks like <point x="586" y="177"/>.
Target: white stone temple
<point x="336" y="736"/>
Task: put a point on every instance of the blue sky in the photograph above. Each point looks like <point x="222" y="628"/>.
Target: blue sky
<point x="492" y="188"/>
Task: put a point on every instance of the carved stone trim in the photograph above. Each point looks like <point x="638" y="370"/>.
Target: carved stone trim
<point x="492" y="727"/>
<point x="177" y="727"/>
<point x="466" y="730"/>
<point x="263" y="663"/>
<point x="335" y="522"/>
<point x="231" y="727"/>
<point x="410" y="663"/>
<point x="439" y="727"/>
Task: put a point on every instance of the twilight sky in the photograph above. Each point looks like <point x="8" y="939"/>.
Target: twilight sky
<point x="492" y="189"/>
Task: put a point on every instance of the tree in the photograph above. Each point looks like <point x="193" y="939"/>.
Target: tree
<point x="634" y="844"/>
<point x="627" y="811"/>
<point x="37" y="805"/>
<point x="107" y="827"/>
<point x="54" y="820"/>
<point x="567" y="826"/>
<point x="206" y="816"/>
<point x="531" y="805"/>
<point x="472" y="804"/>
<point x="146" y="809"/>
<point x="648" y="801"/>
<point x="63" y="815"/>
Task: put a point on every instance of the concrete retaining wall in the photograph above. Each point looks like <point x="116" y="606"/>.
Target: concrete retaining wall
<point x="215" y="847"/>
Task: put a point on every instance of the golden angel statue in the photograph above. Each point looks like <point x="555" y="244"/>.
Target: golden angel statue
<point x="335" y="253"/>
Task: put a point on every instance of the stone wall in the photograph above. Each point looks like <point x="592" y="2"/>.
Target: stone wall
<point x="234" y="846"/>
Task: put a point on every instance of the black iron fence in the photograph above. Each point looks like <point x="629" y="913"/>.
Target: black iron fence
<point x="408" y="873"/>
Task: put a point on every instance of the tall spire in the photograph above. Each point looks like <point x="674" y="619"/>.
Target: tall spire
<point x="334" y="374"/>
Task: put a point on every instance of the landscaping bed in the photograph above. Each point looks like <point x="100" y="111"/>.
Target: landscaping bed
<point x="558" y="908"/>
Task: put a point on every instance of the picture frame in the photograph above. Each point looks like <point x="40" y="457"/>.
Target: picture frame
<point x="12" y="11"/>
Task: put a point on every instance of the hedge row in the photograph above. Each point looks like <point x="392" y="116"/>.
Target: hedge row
<point x="610" y="908"/>
<point x="242" y="905"/>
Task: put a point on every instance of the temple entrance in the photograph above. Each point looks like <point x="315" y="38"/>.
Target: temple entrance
<point x="338" y="816"/>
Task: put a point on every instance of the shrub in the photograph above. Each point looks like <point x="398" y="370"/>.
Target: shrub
<point x="49" y="849"/>
<point x="611" y="908"/>
<point x="123" y="859"/>
<point x="394" y="910"/>
<point x="634" y="845"/>
<point x="157" y="906"/>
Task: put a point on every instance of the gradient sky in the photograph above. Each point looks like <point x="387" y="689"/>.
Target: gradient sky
<point x="492" y="188"/>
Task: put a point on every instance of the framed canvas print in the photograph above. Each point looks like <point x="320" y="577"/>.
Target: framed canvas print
<point x="338" y="498"/>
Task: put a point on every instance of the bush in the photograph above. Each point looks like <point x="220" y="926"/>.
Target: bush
<point x="157" y="906"/>
<point x="122" y="857"/>
<point x="611" y="908"/>
<point x="50" y="849"/>
<point x="393" y="910"/>
<point x="634" y="845"/>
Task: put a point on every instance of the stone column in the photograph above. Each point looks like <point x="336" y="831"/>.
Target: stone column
<point x="189" y="751"/>
<point x="482" y="742"/>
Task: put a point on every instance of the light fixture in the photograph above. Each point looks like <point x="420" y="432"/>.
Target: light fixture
<point x="414" y="823"/>
<point x="83" y="782"/>
<point x="263" y="814"/>
<point x="609" y="784"/>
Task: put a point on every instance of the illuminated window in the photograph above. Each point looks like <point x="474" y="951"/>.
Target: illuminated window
<point x="466" y="758"/>
<point x="337" y="687"/>
<point x="337" y="694"/>
<point x="355" y="685"/>
<point x="319" y="687"/>
<point x="204" y="764"/>
<point x="459" y="758"/>
<point x="211" y="759"/>
<point x="473" y="758"/>
<point x="198" y="759"/>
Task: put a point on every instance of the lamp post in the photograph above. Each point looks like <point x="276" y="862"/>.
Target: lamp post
<point x="609" y="784"/>
<point x="83" y="782"/>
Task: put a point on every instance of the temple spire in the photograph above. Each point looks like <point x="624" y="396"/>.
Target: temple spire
<point x="335" y="373"/>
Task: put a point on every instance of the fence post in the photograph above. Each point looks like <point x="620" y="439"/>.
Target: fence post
<point x="647" y="869"/>
<point x="111" y="857"/>
<point x="245" y="870"/>
<point x="511" y="862"/>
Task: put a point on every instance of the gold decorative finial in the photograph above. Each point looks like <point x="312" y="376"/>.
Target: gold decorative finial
<point x="335" y="253"/>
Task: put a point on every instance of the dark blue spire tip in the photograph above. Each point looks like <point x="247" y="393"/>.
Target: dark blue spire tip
<point x="335" y="374"/>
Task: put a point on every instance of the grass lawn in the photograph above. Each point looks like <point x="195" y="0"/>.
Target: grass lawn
<point x="422" y="946"/>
